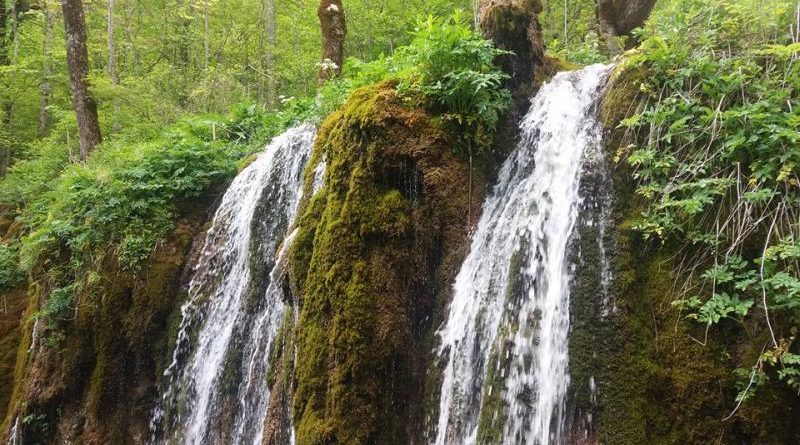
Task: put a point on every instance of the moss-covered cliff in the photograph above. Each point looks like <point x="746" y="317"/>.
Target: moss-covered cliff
<point x="372" y="261"/>
<point x="90" y="377"/>
<point x="659" y="379"/>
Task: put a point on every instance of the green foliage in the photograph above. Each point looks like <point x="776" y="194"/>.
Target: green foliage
<point x="715" y="145"/>
<point x="10" y="274"/>
<point x="165" y="69"/>
<point x="586" y="51"/>
<point x="124" y="197"/>
<point x="447" y="66"/>
<point x="452" y="66"/>
<point x="570" y="32"/>
<point x="58" y="302"/>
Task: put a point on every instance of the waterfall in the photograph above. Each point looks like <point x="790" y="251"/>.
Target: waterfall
<point x="13" y="437"/>
<point x="215" y="390"/>
<point x="504" y="343"/>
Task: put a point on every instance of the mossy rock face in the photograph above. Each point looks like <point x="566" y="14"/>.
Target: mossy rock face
<point x="513" y="25"/>
<point x="375" y="252"/>
<point x="91" y="377"/>
<point x="656" y="382"/>
<point x="12" y="308"/>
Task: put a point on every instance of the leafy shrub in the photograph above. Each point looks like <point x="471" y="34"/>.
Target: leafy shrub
<point x="453" y="66"/>
<point x="10" y="274"/>
<point x="124" y="197"/>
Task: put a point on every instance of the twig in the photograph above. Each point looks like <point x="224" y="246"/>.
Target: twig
<point x="763" y="287"/>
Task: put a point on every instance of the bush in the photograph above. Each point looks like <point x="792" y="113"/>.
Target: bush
<point x="10" y="274"/>
<point x="453" y="67"/>
<point x="124" y="197"/>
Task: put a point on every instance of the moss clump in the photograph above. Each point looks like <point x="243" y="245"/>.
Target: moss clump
<point x="375" y="247"/>
<point x="550" y="66"/>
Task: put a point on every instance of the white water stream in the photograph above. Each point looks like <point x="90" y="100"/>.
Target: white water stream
<point x="229" y="322"/>
<point x="511" y="296"/>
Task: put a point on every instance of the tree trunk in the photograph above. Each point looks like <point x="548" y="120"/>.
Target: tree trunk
<point x="15" y="10"/>
<point x="112" y="60"/>
<point x="332" y="23"/>
<point x="112" y="47"/>
<point x="269" y="57"/>
<point x="45" y="88"/>
<point x="617" y="18"/>
<point x="78" y="64"/>
<point x="206" y="38"/>
<point x="513" y="25"/>
<point x="6" y="13"/>
<point x="130" y="48"/>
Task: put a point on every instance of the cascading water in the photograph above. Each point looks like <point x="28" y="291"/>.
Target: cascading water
<point x="215" y="390"/>
<point x="505" y="341"/>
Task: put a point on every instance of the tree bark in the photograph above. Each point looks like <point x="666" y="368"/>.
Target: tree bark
<point x="334" y="28"/>
<point x="45" y="88"/>
<point x="130" y="49"/>
<point x="4" y="14"/>
<point x="78" y="64"/>
<point x="617" y="18"/>
<point x="112" y="59"/>
<point x="15" y="10"/>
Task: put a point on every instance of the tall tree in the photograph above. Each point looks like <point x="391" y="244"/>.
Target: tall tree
<point x="112" y="58"/>
<point x="7" y="12"/>
<point x="112" y="47"/>
<point x="45" y="88"/>
<point x="78" y="64"/>
<point x="333" y="26"/>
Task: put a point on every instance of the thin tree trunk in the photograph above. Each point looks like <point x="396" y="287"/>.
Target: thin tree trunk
<point x="270" y="53"/>
<point x="260" y="56"/>
<point x="112" y="60"/>
<point x="45" y="88"/>
<point x="5" y="60"/>
<point x="78" y="64"/>
<point x="334" y="28"/>
<point x="112" y="47"/>
<point x="206" y="39"/>
<point x="15" y="10"/>
<point x="4" y="14"/>
<point x="130" y="48"/>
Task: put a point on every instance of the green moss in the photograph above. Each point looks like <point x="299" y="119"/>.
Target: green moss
<point x="372" y="248"/>
<point x="101" y="375"/>
<point x="13" y="306"/>
<point x="550" y="66"/>
<point x="657" y="383"/>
